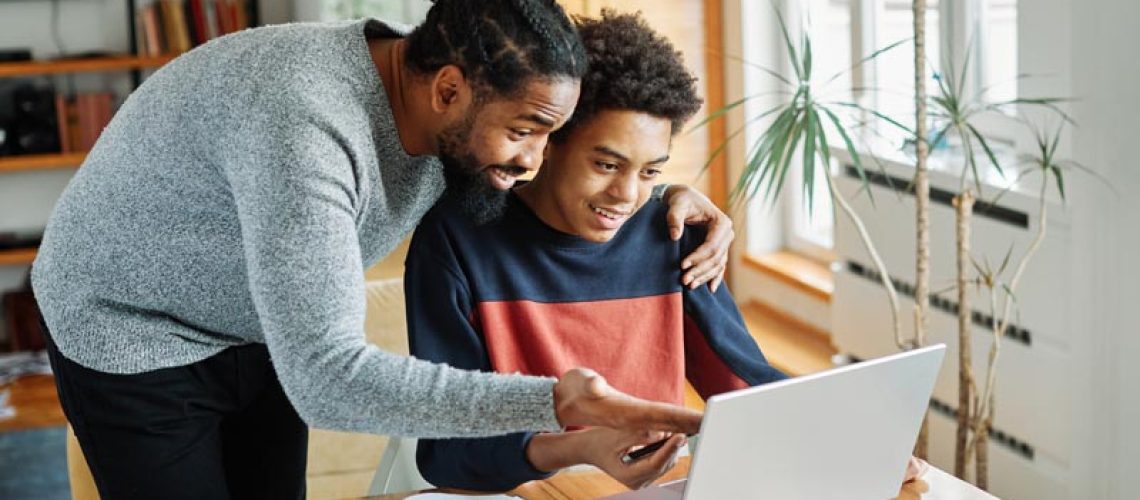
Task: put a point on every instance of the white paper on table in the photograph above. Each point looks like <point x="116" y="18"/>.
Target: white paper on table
<point x="450" y="496"/>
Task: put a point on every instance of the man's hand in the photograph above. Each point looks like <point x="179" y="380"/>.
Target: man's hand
<point x="583" y="398"/>
<point x="707" y="263"/>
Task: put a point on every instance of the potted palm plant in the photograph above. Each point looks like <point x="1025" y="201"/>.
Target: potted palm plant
<point x="801" y="124"/>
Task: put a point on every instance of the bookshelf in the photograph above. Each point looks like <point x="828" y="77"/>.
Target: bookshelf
<point x="48" y="161"/>
<point x="134" y="62"/>
<point x="85" y="65"/>
<point x="17" y="256"/>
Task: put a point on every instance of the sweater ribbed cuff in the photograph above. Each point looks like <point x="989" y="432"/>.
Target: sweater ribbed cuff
<point x="530" y="400"/>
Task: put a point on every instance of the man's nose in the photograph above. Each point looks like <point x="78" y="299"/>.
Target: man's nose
<point x="530" y="156"/>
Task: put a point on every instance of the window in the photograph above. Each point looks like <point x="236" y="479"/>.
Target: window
<point x="808" y="230"/>
<point x="999" y="38"/>
<point x="845" y="31"/>
<point x="892" y="73"/>
<point x="409" y="12"/>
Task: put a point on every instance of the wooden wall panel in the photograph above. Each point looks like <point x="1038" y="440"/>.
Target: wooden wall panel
<point x="682" y="21"/>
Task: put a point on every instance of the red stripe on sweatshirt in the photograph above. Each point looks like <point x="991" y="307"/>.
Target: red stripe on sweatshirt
<point x="635" y="343"/>
<point x="704" y="369"/>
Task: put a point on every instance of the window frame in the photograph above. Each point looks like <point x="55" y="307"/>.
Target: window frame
<point x="958" y="21"/>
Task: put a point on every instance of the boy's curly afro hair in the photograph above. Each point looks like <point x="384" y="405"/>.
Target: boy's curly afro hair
<point x="631" y="67"/>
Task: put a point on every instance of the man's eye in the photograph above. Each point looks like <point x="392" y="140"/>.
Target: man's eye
<point x="651" y="172"/>
<point x="520" y="133"/>
<point x="607" y="166"/>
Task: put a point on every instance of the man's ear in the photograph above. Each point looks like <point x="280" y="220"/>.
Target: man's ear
<point x="449" y="90"/>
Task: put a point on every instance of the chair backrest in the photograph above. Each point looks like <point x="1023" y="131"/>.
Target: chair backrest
<point x="398" y="471"/>
<point x="385" y="326"/>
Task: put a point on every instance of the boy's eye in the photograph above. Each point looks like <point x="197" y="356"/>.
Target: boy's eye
<point x="651" y="172"/>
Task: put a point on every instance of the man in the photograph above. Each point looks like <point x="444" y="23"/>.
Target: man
<point x="579" y="272"/>
<point x="201" y="277"/>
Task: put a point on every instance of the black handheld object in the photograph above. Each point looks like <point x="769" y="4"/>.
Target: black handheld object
<point x="645" y="450"/>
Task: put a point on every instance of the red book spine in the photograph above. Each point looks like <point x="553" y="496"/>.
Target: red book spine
<point x="61" y="118"/>
<point x="199" y="20"/>
<point x="152" y="27"/>
<point x="83" y="110"/>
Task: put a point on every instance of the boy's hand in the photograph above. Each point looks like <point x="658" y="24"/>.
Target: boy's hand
<point x="605" y="449"/>
<point x="915" y="468"/>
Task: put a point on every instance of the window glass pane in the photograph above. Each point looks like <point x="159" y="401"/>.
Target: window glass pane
<point x="410" y="12"/>
<point x="812" y="228"/>
<point x="895" y="68"/>
<point x="1000" y="49"/>
<point x="830" y="30"/>
<point x="808" y="229"/>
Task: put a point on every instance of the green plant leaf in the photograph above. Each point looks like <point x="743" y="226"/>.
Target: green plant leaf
<point x="809" y="154"/>
<point x="942" y="89"/>
<point x="1055" y="141"/>
<point x="756" y="169"/>
<point x="727" y="140"/>
<point x="986" y="148"/>
<point x="1087" y="170"/>
<point x="825" y="151"/>
<point x="1045" y="102"/>
<point x="1011" y="298"/>
<point x="788" y="44"/>
<point x="1005" y="261"/>
<point x="725" y="109"/>
<point x="978" y="269"/>
<point x="1060" y="181"/>
<point x="968" y="145"/>
<point x="807" y="57"/>
<point x="1021" y="175"/>
<point x="877" y="114"/>
<point x="785" y="157"/>
<point x="745" y="62"/>
<point x="855" y="157"/>
<point x="867" y="58"/>
<point x="970" y="47"/>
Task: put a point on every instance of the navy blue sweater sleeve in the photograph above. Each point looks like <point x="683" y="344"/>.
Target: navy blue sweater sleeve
<point x="714" y="325"/>
<point x="440" y="329"/>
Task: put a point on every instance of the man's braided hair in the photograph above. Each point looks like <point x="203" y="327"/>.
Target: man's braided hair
<point x="499" y="44"/>
<point x="631" y="68"/>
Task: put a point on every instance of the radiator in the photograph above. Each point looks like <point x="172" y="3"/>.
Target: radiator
<point x="1031" y="443"/>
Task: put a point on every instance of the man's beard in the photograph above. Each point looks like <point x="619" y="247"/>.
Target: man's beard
<point x="467" y="187"/>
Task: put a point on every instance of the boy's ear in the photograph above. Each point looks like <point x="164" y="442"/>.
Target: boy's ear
<point x="449" y="90"/>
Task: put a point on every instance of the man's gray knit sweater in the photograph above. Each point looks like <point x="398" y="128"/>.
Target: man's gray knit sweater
<point x="236" y="198"/>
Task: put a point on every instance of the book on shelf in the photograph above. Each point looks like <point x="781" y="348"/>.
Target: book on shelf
<point x="82" y="118"/>
<point x="63" y="121"/>
<point x="176" y="26"/>
<point x="151" y="28"/>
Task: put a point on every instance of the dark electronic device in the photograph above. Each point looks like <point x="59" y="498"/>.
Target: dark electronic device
<point x="644" y="451"/>
<point x="33" y="128"/>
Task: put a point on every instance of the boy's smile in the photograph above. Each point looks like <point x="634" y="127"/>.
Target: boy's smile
<point x="601" y="174"/>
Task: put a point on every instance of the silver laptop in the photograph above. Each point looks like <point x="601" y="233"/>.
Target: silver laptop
<point x="845" y="433"/>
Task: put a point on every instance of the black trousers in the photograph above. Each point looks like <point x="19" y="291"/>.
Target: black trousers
<point x="217" y="429"/>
